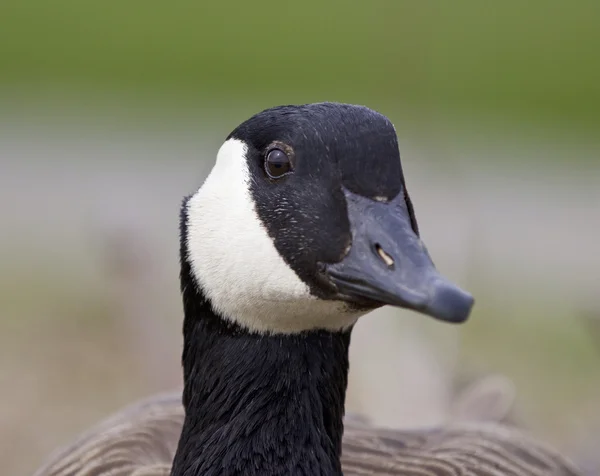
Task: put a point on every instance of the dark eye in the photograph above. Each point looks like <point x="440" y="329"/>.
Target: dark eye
<point x="277" y="163"/>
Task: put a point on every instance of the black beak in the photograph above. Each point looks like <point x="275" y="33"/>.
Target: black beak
<point x="389" y="264"/>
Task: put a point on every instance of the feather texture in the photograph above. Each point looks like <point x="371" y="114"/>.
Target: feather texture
<point x="141" y="441"/>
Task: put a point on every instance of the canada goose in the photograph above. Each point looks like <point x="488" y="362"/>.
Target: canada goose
<point x="303" y="225"/>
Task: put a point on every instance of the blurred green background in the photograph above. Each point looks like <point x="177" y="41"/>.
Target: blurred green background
<point x="111" y="111"/>
<point x="535" y="61"/>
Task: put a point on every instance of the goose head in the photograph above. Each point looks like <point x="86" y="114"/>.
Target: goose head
<point x="305" y="223"/>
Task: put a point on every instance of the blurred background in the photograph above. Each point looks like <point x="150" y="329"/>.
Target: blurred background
<point x="110" y="112"/>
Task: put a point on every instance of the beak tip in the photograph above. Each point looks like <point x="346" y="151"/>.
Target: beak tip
<point x="450" y="303"/>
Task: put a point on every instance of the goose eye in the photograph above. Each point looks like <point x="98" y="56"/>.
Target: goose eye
<point x="277" y="163"/>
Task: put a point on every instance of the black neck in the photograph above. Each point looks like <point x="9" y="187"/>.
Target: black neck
<point x="257" y="404"/>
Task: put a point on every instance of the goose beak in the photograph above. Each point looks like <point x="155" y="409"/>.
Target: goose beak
<point x="389" y="264"/>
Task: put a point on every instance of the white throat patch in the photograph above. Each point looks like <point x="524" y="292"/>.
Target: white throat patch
<point x="236" y="264"/>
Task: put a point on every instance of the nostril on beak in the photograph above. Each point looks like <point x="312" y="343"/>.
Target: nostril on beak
<point x="387" y="259"/>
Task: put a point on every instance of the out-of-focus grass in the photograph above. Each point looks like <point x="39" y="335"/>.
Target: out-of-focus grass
<point x="548" y="353"/>
<point x="532" y="61"/>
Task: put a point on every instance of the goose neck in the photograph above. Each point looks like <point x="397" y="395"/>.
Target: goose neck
<point x="259" y="404"/>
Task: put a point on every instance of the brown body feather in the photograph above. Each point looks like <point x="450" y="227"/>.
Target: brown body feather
<point x="141" y="441"/>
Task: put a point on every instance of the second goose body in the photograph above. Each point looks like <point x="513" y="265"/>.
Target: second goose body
<point x="303" y="225"/>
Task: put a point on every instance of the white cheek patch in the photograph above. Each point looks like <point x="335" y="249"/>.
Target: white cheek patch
<point x="236" y="263"/>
